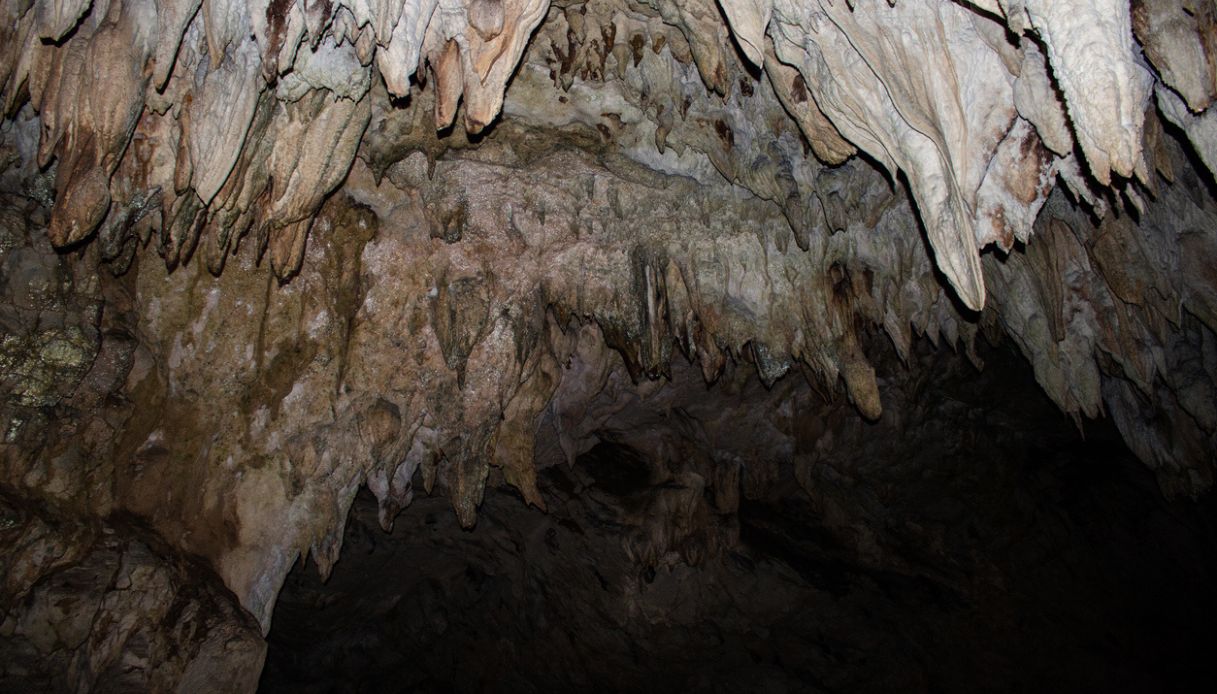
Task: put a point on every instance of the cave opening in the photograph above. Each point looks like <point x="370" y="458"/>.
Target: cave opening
<point x="737" y="537"/>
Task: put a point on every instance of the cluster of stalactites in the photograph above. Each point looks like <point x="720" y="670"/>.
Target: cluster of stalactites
<point x="939" y="91"/>
<point x="202" y="120"/>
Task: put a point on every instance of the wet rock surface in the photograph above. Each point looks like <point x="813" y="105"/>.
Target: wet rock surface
<point x="939" y="549"/>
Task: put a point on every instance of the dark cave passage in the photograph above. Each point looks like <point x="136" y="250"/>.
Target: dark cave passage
<point x="958" y="544"/>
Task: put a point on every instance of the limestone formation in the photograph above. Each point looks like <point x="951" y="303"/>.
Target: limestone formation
<point x="396" y="235"/>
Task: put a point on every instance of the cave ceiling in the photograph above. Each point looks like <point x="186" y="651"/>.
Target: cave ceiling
<point x="345" y="241"/>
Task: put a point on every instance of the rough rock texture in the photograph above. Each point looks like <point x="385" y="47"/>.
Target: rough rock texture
<point x="90" y="606"/>
<point x="394" y="236"/>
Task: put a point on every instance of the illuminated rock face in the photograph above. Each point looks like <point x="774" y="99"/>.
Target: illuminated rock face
<point x="473" y="210"/>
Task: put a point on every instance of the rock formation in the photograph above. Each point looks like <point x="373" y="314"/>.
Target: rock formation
<point x="397" y="238"/>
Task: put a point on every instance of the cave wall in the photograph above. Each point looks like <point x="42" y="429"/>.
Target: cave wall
<point x="93" y="605"/>
<point x="257" y="255"/>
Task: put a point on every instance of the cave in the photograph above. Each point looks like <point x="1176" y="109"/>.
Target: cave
<point x="691" y="546"/>
<point x="608" y="345"/>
